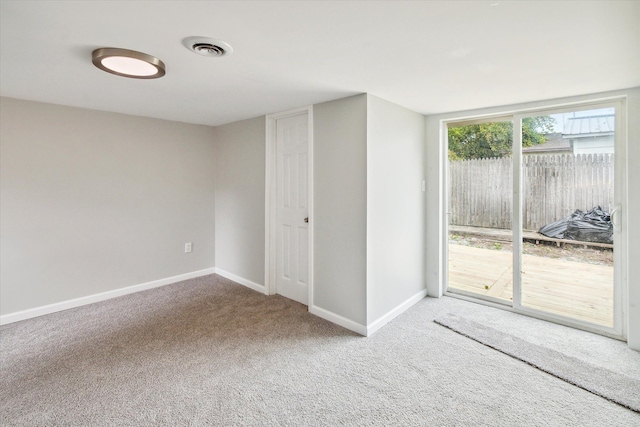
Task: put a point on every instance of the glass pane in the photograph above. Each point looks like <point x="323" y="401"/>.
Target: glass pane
<point x="567" y="263"/>
<point x="480" y="210"/>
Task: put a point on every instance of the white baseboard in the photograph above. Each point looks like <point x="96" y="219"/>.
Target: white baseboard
<point x="248" y="283"/>
<point x="90" y="299"/>
<point x="338" y="320"/>
<point x="320" y="312"/>
<point x="373" y="327"/>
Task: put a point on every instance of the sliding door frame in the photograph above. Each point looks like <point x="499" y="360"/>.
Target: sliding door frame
<point x="619" y="329"/>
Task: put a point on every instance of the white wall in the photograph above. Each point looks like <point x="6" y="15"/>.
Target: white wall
<point x="368" y="207"/>
<point x="93" y="201"/>
<point x="240" y="199"/>
<point x="340" y="208"/>
<point x="435" y="196"/>
<point x="395" y="207"/>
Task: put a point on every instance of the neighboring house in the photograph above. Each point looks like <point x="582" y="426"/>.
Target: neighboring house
<point x="556" y="144"/>
<point x="581" y="135"/>
<point x="590" y="135"/>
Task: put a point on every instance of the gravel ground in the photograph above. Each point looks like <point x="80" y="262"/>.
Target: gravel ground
<point x="569" y="252"/>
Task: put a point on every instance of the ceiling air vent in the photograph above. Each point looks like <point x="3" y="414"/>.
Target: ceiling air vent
<point x="206" y="46"/>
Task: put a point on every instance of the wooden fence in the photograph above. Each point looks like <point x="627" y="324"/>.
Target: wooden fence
<point x="554" y="186"/>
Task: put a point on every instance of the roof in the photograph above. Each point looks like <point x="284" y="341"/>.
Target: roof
<point x="577" y="127"/>
<point x="554" y="143"/>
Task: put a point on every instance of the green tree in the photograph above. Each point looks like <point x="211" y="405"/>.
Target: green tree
<point x="495" y="139"/>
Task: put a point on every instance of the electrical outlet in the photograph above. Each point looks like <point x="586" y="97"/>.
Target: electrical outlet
<point x="187" y="248"/>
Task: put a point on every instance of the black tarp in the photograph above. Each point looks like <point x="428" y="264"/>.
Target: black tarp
<point x="591" y="226"/>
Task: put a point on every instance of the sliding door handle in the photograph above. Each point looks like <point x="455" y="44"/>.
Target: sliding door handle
<point x="612" y="216"/>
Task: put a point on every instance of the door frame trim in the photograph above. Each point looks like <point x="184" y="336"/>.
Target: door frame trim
<point x="270" y="198"/>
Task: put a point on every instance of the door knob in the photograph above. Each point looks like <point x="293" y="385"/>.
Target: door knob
<point x="306" y="219"/>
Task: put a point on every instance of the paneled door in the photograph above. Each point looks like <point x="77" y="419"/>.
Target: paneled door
<point x="292" y="211"/>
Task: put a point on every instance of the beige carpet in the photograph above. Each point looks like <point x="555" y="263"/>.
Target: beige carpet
<point x="211" y="352"/>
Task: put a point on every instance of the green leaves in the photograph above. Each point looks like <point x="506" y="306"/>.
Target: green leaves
<point x="490" y="140"/>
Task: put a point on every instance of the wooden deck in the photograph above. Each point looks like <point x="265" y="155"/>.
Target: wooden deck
<point x="574" y="289"/>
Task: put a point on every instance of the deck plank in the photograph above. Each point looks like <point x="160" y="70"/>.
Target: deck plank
<point x="578" y="290"/>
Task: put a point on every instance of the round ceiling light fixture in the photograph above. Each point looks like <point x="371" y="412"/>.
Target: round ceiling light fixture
<point x="128" y="63"/>
<point x="207" y="46"/>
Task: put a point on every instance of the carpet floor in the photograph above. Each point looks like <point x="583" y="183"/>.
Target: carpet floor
<point x="611" y="385"/>
<point x="208" y="351"/>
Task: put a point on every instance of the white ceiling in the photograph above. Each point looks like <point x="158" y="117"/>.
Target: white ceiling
<point x="431" y="56"/>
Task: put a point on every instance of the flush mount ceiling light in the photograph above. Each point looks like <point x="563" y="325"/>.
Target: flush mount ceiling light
<point x="128" y="63"/>
<point x="207" y="46"/>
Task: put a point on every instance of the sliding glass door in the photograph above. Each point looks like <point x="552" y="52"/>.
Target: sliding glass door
<point x="534" y="214"/>
<point x="480" y="210"/>
<point x="570" y="238"/>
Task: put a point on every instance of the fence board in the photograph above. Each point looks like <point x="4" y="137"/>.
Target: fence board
<point x="554" y="186"/>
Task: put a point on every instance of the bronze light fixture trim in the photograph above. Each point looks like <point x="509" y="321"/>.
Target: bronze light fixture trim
<point x="128" y="63"/>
